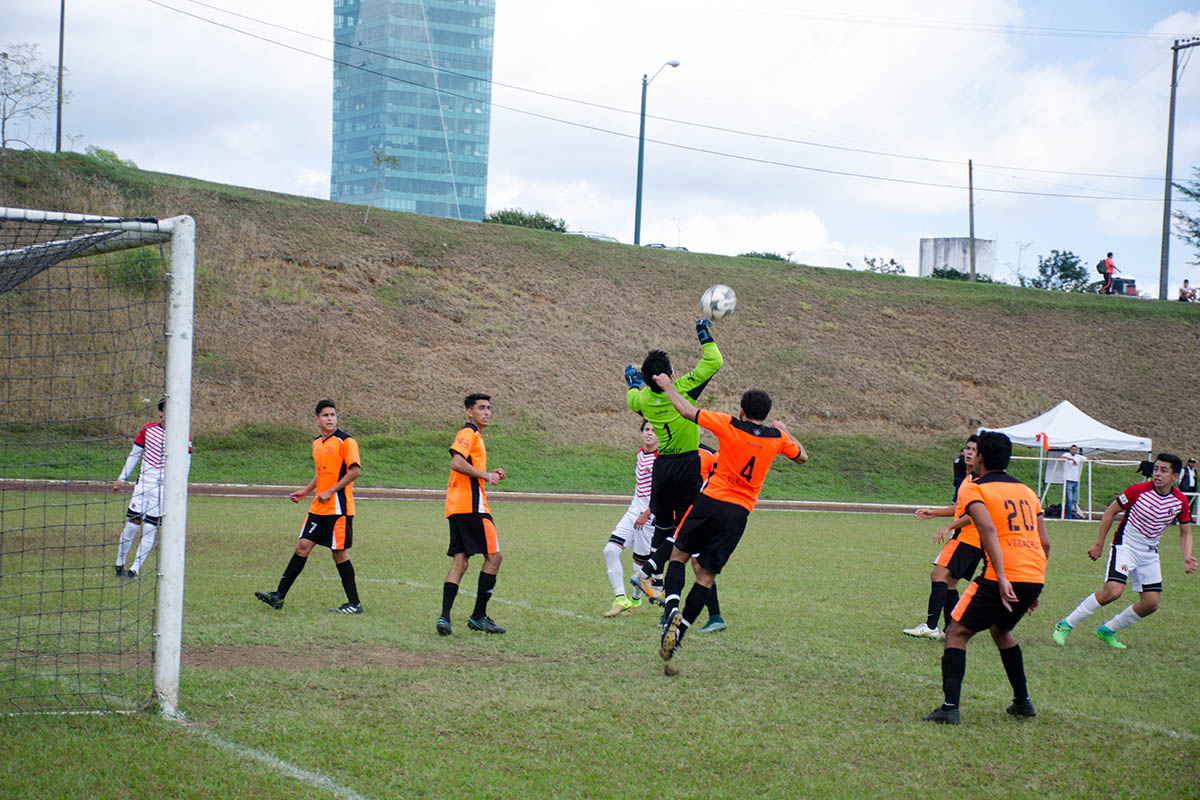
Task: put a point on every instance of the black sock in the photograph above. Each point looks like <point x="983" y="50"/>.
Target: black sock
<point x="954" y="666"/>
<point x="937" y="600"/>
<point x="713" y="605"/>
<point x="487" y="582"/>
<point x="662" y="551"/>
<point x="293" y="569"/>
<point x="1014" y="667"/>
<point x="673" y="586"/>
<point x="951" y="602"/>
<point x="695" y="601"/>
<point x="346" y="572"/>
<point x="449" y="592"/>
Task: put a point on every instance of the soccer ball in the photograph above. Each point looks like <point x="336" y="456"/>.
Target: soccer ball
<point x="717" y="302"/>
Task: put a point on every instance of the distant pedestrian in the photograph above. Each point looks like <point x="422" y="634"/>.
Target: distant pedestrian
<point x="1186" y="293"/>
<point x="1188" y="484"/>
<point x="1109" y="268"/>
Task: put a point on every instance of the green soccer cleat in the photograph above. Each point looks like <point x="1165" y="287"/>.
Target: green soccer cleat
<point x="1109" y="638"/>
<point x="714" y="625"/>
<point x="1061" y="629"/>
<point x="621" y="605"/>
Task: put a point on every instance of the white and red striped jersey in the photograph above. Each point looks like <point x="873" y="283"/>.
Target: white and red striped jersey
<point x="148" y="446"/>
<point x="1148" y="513"/>
<point x="643" y="469"/>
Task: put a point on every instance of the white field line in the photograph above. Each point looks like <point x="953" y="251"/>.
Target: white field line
<point x="935" y="681"/>
<point x="314" y="779"/>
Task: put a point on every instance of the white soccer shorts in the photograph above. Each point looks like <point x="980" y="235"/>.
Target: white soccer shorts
<point x="147" y="499"/>
<point x="1138" y="565"/>
<point x="626" y="535"/>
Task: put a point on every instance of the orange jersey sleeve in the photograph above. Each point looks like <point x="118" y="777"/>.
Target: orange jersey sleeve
<point x="464" y="494"/>
<point x="746" y="452"/>
<point x="708" y="461"/>
<point x="967" y="534"/>
<point x="1014" y="510"/>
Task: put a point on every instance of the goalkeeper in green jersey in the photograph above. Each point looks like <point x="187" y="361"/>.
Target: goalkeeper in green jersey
<point x="676" y="479"/>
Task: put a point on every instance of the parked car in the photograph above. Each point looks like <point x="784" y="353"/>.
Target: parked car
<point x="666" y="247"/>
<point x="603" y="237"/>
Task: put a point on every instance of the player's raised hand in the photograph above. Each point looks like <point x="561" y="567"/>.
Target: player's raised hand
<point x="661" y="380"/>
<point x="704" y="331"/>
<point x="633" y="378"/>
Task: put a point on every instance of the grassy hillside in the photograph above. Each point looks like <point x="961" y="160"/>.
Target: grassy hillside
<point x="399" y="320"/>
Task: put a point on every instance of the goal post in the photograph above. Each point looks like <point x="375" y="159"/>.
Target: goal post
<point x="96" y="325"/>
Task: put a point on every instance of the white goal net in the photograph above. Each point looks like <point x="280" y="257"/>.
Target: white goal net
<point x="95" y="331"/>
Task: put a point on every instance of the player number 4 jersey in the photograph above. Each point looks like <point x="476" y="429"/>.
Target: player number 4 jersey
<point x="746" y="452"/>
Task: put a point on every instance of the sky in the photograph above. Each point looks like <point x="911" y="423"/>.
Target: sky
<point x="834" y="123"/>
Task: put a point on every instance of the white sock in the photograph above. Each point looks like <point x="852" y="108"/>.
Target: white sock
<point x="1089" y="606"/>
<point x="127" y="533"/>
<point x="148" y="535"/>
<point x="1123" y="620"/>
<point x="616" y="575"/>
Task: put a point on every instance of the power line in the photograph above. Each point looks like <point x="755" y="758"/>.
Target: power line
<point x="672" y="120"/>
<point x="674" y="145"/>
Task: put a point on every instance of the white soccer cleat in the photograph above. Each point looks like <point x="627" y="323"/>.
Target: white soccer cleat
<point x="922" y="631"/>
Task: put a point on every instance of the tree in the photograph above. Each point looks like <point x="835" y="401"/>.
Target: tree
<point x="526" y="219"/>
<point x="889" y="267"/>
<point x="767" y="256"/>
<point x="1061" y="271"/>
<point x="28" y="89"/>
<point x="381" y="160"/>
<point x="1187" y="228"/>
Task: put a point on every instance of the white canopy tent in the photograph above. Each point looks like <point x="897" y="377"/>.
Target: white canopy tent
<point x="1063" y="426"/>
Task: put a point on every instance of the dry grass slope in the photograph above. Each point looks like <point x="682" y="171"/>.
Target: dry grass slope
<point x="397" y="321"/>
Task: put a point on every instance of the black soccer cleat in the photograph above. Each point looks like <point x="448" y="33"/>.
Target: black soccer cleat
<point x="486" y="625"/>
<point x="443" y="627"/>
<point x="1023" y="708"/>
<point x="348" y="608"/>
<point x="270" y="598"/>
<point x="120" y="571"/>
<point x="131" y="575"/>
<point x="671" y="636"/>
<point x="943" y="716"/>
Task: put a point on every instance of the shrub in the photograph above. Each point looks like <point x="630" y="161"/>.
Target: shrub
<point x="525" y="219"/>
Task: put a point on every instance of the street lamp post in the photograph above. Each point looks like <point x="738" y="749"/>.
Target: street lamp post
<point x="637" y="213"/>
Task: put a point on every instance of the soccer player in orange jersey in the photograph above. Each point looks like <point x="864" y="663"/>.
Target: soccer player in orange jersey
<point x="713" y="525"/>
<point x="472" y="531"/>
<point x="1008" y="517"/>
<point x="957" y="559"/>
<point x="330" y="521"/>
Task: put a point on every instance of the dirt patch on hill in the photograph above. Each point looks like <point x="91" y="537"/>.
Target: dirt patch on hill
<point x="397" y="322"/>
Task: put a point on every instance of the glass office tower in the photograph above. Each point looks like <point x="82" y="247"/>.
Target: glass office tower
<point x="412" y="82"/>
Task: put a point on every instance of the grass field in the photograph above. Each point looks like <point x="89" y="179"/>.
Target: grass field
<point x="812" y="691"/>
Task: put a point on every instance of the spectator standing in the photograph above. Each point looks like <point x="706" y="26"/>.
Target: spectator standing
<point x="1188" y="483"/>
<point x="1071" y="472"/>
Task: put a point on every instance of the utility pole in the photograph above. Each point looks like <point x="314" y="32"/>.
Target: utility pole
<point x="1163" y="267"/>
<point x="62" y="15"/>
<point x="971" y="208"/>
